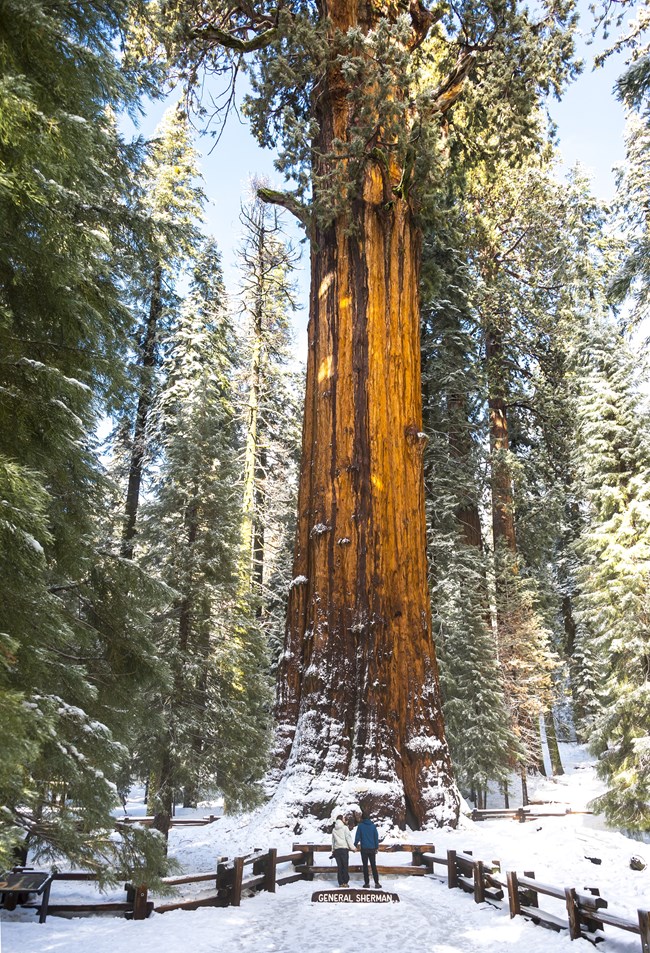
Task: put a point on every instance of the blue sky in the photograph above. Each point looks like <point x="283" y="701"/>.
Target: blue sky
<point x="590" y="119"/>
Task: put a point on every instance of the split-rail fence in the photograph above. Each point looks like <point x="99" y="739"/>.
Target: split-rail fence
<point x="583" y="913"/>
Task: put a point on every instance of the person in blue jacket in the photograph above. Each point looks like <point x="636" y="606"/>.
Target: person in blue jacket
<point x="367" y="839"/>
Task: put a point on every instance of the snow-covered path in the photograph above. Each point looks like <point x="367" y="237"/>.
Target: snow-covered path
<point x="575" y="850"/>
<point x="429" y="917"/>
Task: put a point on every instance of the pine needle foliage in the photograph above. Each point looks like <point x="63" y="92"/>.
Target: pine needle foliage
<point x="64" y="197"/>
<point x="614" y="459"/>
<point x="213" y="726"/>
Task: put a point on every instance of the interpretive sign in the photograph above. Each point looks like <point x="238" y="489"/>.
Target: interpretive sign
<point x="354" y="896"/>
<point x="16" y="885"/>
<point x="23" y="882"/>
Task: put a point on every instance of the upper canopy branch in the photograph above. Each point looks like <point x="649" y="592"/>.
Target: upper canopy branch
<point x="213" y="35"/>
<point x="422" y="21"/>
<point x="237" y="26"/>
<point x="288" y="201"/>
<point x="444" y="97"/>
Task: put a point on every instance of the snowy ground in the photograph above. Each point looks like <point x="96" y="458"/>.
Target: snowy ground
<point x="429" y="916"/>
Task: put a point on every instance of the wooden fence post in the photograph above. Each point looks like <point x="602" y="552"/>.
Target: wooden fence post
<point x="586" y="904"/>
<point x="224" y="881"/>
<point x="424" y="861"/>
<point x="271" y="865"/>
<point x="644" y="930"/>
<point x="573" y="912"/>
<point x="514" y="901"/>
<point x="531" y="898"/>
<point x="452" y="872"/>
<point x="309" y="862"/>
<point x="237" y="877"/>
<point x="140" y="909"/>
<point x="479" y="882"/>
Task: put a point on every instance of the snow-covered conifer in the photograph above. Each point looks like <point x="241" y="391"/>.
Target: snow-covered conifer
<point x="270" y="397"/>
<point x="213" y="715"/>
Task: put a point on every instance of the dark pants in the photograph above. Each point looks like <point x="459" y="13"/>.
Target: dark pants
<point x="369" y="855"/>
<point x="341" y="855"/>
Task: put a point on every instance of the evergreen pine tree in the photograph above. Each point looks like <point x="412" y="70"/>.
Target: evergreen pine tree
<point x="171" y="207"/>
<point x="66" y="184"/>
<point x="271" y="392"/>
<point x="476" y="716"/>
<point x="212" y="732"/>
<point x="613" y="457"/>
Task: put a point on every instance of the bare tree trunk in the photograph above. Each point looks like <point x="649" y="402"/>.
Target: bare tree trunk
<point x="503" y="521"/>
<point x="553" y="747"/>
<point x="359" y="705"/>
<point x="161" y="800"/>
<point x="460" y="445"/>
<point x="258" y="527"/>
<point x="250" y="520"/>
<point x="138" y="449"/>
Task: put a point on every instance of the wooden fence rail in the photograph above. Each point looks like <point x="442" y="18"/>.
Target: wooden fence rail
<point x="148" y="820"/>
<point x="522" y="814"/>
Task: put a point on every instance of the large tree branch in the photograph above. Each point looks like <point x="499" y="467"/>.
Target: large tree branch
<point x="288" y="201"/>
<point x="444" y="97"/>
<point x="212" y="35"/>
<point x="422" y="20"/>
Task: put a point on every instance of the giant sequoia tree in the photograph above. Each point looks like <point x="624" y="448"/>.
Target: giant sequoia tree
<point x="338" y="85"/>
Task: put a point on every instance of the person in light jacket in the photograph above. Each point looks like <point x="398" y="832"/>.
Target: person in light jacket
<point x="342" y="844"/>
<point x="368" y="840"/>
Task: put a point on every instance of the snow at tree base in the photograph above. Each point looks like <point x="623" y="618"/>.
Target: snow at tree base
<point x="429" y="915"/>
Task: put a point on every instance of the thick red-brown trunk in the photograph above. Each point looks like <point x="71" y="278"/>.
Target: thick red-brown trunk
<point x="359" y="708"/>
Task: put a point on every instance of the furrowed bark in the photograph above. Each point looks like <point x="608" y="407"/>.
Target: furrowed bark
<point x="359" y="706"/>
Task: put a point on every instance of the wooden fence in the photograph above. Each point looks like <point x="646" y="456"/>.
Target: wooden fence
<point x="135" y="906"/>
<point x="522" y="814"/>
<point x="148" y="820"/>
<point x="586" y="913"/>
<point x="583" y="914"/>
<point x="256" y="871"/>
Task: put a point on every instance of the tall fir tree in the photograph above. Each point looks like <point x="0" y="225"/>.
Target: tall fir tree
<point x="64" y="203"/>
<point x="474" y="705"/>
<point x="270" y="393"/>
<point x="212" y="732"/>
<point x="613" y="461"/>
<point x="171" y="208"/>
